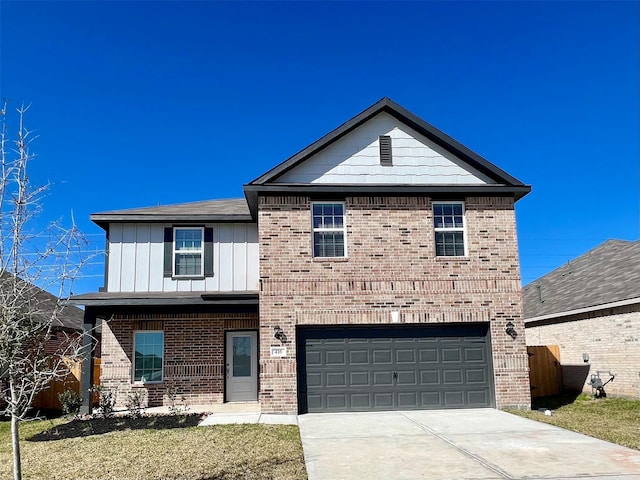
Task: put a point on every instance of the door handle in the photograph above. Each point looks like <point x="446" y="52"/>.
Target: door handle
<point x="395" y="375"/>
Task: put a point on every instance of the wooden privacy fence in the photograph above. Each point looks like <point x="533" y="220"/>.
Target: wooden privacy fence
<point x="545" y="371"/>
<point x="48" y="399"/>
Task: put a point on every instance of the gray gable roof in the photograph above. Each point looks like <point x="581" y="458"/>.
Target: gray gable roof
<point x="228" y="210"/>
<point x="432" y="133"/>
<point x="505" y="184"/>
<point x="608" y="273"/>
<point x="44" y="303"/>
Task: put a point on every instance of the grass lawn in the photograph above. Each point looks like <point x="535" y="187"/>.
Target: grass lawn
<point x="153" y="448"/>
<point x="615" y="420"/>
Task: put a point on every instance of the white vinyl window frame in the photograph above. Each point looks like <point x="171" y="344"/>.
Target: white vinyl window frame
<point x="328" y="230"/>
<point x="444" y="229"/>
<point x="134" y="363"/>
<point x="177" y="252"/>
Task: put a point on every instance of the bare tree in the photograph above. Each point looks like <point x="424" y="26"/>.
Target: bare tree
<point x="36" y="257"/>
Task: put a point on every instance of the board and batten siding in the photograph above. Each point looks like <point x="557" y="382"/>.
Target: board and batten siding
<point x="136" y="259"/>
<point x="355" y="158"/>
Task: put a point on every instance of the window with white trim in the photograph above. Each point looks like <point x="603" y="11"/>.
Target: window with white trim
<point x="188" y="251"/>
<point x="329" y="230"/>
<point x="148" y="356"/>
<point x="448" y="223"/>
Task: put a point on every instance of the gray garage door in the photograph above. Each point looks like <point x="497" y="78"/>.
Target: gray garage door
<point x="393" y="368"/>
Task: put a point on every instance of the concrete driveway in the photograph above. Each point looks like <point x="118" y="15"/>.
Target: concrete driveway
<point x="455" y="444"/>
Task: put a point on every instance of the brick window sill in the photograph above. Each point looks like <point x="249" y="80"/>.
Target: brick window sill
<point x="453" y="259"/>
<point x="330" y="259"/>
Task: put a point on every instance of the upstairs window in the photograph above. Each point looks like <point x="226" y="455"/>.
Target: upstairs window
<point x="188" y="252"/>
<point x="328" y="229"/>
<point x="448" y="222"/>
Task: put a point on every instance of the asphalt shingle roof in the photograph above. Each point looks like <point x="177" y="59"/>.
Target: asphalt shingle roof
<point x="608" y="273"/>
<point x="44" y="304"/>
<point x="234" y="209"/>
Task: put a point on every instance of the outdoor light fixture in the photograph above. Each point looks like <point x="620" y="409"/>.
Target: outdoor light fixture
<point x="585" y="357"/>
<point x="511" y="331"/>
<point x="279" y="334"/>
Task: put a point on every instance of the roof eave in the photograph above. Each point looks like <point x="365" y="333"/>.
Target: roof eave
<point x="103" y="220"/>
<point x="252" y="191"/>
<point x="558" y="316"/>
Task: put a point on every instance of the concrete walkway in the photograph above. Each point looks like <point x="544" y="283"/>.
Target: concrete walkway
<point x="455" y="444"/>
<point x="227" y="418"/>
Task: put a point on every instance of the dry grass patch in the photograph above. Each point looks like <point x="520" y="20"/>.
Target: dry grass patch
<point x="154" y="448"/>
<point x="615" y="420"/>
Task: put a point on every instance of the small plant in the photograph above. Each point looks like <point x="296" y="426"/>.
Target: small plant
<point x="135" y="403"/>
<point x="107" y="400"/>
<point x="71" y="402"/>
<point x="177" y="401"/>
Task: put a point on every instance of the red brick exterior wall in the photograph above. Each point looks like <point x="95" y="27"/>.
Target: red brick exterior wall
<point x="194" y="360"/>
<point x="391" y="265"/>
<point x="610" y="336"/>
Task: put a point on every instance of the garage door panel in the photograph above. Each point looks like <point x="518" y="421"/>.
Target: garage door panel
<point x="335" y="357"/>
<point x="359" y="357"/>
<point x="409" y="377"/>
<point x="360" y="379"/>
<point x="451" y="355"/>
<point x="383" y="401"/>
<point x="429" y="355"/>
<point x="314" y="357"/>
<point x="336" y="379"/>
<point x="382" y="378"/>
<point x="405" y="355"/>
<point x="430" y="377"/>
<point x="479" y="398"/>
<point x="314" y="379"/>
<point x="475" y="375"/>
<point x="430" y="399"/>
<point x="474" y="354"/>
<point x="386" y="368"/>
<point x="336" y="401"/>
<point x="382" y="356"/>
<point x="452" y="377"/>
<point x="454" y="398"/>
<point x="360" y="401"/>
<point x="408" y="400"/>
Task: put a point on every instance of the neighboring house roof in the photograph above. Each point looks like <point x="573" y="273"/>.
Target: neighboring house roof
<point x="608" y="274"/>
<point x="228" y="210"/>
<point x="69" y="316"/>
<point x="503" y="183"/>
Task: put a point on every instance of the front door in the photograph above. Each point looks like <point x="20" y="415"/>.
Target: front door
<point x="242" y="366"/>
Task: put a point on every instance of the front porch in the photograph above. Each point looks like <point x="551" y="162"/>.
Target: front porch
<point x="179" y="356"/>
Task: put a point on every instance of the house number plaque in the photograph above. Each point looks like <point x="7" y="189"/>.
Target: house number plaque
<point x="278" y="351"/>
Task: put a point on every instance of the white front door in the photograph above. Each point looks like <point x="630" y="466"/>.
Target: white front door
<point x="242" y="366"/>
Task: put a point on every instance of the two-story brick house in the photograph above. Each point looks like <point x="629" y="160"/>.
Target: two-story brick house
<point x="375" y="269"/>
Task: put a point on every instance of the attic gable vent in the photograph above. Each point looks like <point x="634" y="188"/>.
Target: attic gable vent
<point x="385" y="151"/>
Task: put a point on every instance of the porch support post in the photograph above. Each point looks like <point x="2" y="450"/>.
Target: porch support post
<point x="88" y="345"/>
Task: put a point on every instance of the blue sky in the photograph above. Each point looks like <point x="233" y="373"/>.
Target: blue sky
<point x="146" y="103"/>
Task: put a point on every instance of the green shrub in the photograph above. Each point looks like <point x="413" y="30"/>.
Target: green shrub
<point x="71" y="402"/>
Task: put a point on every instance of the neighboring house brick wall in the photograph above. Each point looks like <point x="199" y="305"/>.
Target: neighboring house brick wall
<point x="391" y="265"/>
<point x="611" y="337"/>
<point x="193" y="354"/>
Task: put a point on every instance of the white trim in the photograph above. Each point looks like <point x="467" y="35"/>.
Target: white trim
<point x="593" y="308"/>
<point x="451" y="229"/>
<point x="343" y="229"/>
<point x="188" y="252"/>
<point x="133" y="361"/>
